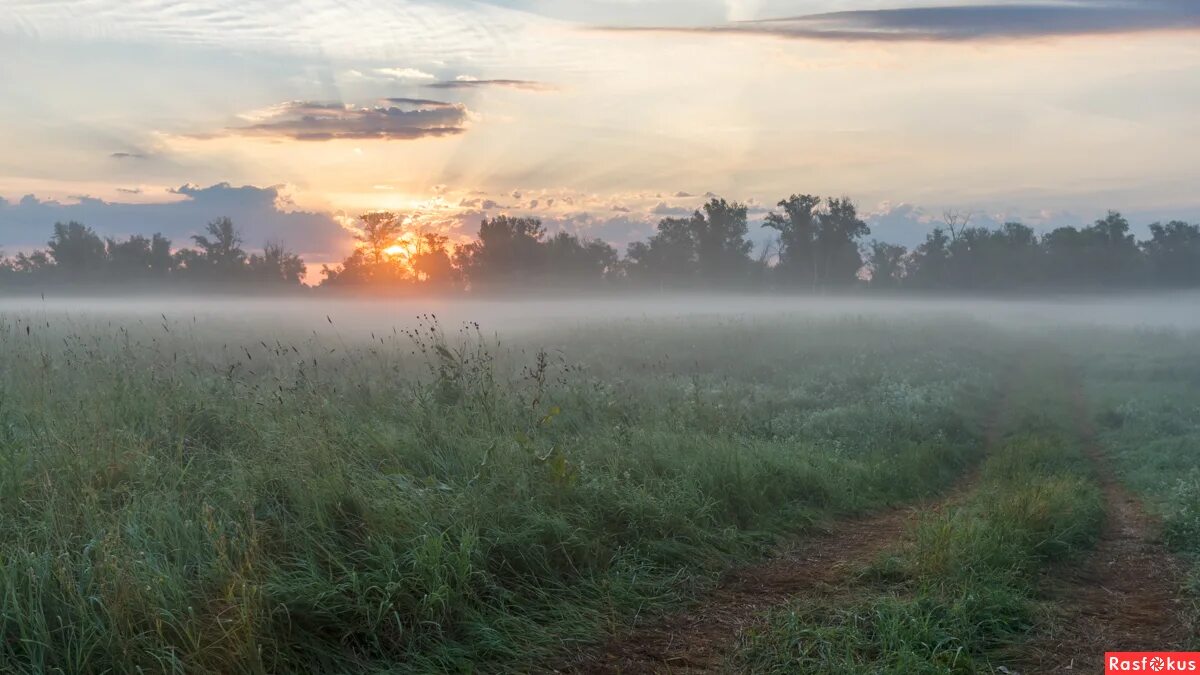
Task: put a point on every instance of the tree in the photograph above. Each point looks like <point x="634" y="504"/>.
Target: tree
<point x="1102" y="255"/>
<point x="222" y="253"/>
<point x="37" y="262"/>
<point x="570" y="258"/>
<point x="378" y="232"/>
<point x="719" y="233"/>
<point x="138" y="257"/>
<point x="76" y="250"/>
<point x="797" y="226"/>
<point x="1173" y="253"/>
<point x="930" y="263"/>
<point x="957" y="222"/>
<point x="277" y="265"/>
<point x="508" y="249"/>
<point x="161" y="262"/>
<point x="837" y="240"/>
<point x="667" y="258"/>
<point x="431" y="262"/>
<point x="818" y="247"/>
<point x="888" y="265"/>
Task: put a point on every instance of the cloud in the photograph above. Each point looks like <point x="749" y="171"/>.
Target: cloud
<point x="464" y="82"/>
<point x="961" y="23"/>
<point x="262" y="214"/>
<point x="664" y="209"/>
<point x="127" y="155"/>
<point x="396" y="119"/>
<point x="405" y="74"/>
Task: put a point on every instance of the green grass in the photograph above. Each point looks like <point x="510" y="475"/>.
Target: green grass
<point x="965" y="586"/>
<point x="224" y="498"/>
<point x="1146" y="387"/>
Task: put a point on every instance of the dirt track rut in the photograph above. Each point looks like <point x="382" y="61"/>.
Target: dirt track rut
<point x="1126" y="596"/>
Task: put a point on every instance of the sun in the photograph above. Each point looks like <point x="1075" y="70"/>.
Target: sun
<point x="401" y="251"/>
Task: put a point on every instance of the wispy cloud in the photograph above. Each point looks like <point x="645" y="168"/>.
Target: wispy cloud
<point x="464" y="82"/>
<point x="405" y="74"/>
<point x="960" y="23"/>
<point x="396" y="119"/>
<point x="127" y="155"/>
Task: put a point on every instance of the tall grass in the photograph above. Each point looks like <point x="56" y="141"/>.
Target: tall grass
<point x="222" y="498"/>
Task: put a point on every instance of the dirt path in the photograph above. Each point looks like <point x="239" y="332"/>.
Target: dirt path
<point x="699" y="640"/>
<point x="1125" y="597"/>
<point x="818" y="567"/>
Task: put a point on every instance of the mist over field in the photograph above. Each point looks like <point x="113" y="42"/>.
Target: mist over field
<point x="351" y="317"/>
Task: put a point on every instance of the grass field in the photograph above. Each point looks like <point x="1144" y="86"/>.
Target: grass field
<point x="239" y="497"/>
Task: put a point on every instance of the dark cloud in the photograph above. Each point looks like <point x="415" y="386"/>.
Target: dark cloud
<point x="127" y="155"/>
<point x="397" y="119"/>
<point x="422" y="103"/>
<point x="682" y="194"/>
<point x="261" y="213"/>
<point x="523" y="85"/>
<point x="957" y="23"/>
<point x="130" y="191"/>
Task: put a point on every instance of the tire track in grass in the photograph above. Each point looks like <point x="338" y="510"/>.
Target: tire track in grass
<point x="1126" y="596"/>
<point x="700" y="640"/>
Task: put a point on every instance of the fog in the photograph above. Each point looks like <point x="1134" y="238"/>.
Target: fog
<point x="267" y="315"/>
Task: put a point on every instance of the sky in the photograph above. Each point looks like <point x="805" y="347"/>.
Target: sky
<point x="599" y="116"/>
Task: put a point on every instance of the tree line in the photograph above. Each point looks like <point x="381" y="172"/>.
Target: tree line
<point x="75" y="254"/>
<point x="819" y="245"/>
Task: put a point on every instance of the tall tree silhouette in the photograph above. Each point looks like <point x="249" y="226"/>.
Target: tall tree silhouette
<point x="1173" y="253"/>
<point x="76" y="249"/>
<point x="931" y="261"/>
<point x="668" y="258"/>
<point x="432" y="262"/>
<point x="798" y="226"/>
<point x="508" y="249"/>
<point x="220" y="249"/>
<point x="139" y="258"/>
<point x="837" y="240"/>
<point x="722" y="251"/>
<point x="888" y="263"/>
<point x="572" y="259"/>
<point x="378" y="232"/>
<point x="277" y="265"/>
